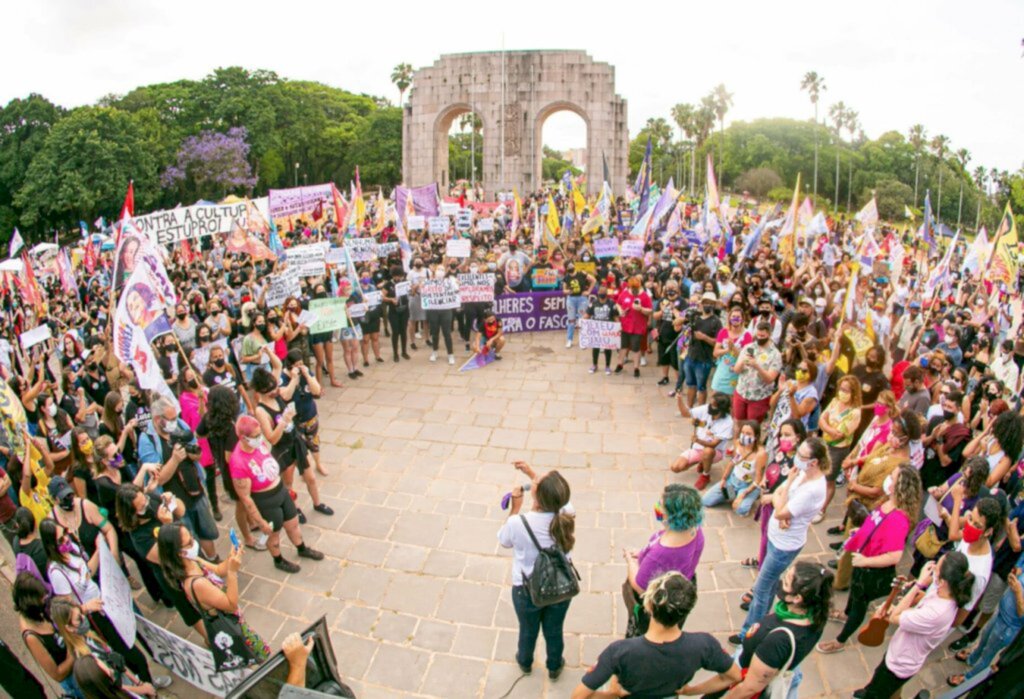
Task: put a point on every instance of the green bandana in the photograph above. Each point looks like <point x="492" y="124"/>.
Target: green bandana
<point x="781" y="610"/>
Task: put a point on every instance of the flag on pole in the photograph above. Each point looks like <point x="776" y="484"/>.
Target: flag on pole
<point x="1003" y="264"/>
<point x="17" y="243"/>
<point x="868" y="216"/>
<point x="787" y="235"/>
<point x="642" y="187"/>
<point x="897" y="253"/>
<point x="604" y="163"/>
<point x="340" y="209"/>
<point x="89" y="258"/>
<point x="84" y="228"/>
<point x="517" y="212"/>
<point x="907" y="213"/>
<point x="926" y="231"/>
<point x="940" y="275"/>
<point x="979" y="251"/>
<point x="552" y="218"/>
<point x="128" y="210"/>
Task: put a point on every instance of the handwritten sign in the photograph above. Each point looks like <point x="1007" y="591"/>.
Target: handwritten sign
<point x="415" y="223"/>
<point x="373" y="298"/>
<point x="600" y="334"/>
<point x="330" y="314"/>
<point x="464" y="220"/>
<point x="356" y="310"/>
<point x="335" y="256"/>
<point x="476" y="288"/>
<point x="458" y="248"/>
<point x="189" y="222"/>
<point x="362" y="249"/>
<point x="632" y="248"/>
<point x="436" y="295"/>
<point x="186" y="660"/>
<point x="307" y="260"/>
<point x="606" y="247"/>
<point x="117" y="595"/>
<point x="385" y="249"/>
<point x="438" y="224"/>
<point x="449" y="208"/>
<point x="402" y="289"/>
<point x="41" y="333"/>
<point x="544" y="278"/>
<point x="281" y="286"/>
<point x="485" y="225"/>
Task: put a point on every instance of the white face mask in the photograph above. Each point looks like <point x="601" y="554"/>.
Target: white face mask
<point x="801" y="464"/>
<point x="192" y="552"/>
<point x="887" y="485"/>
<point x="253" y="442"/>
<point x="440" y="274"/>
<point x="51" y="410"/>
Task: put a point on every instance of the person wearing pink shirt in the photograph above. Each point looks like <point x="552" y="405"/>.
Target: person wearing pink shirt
<point x="635" y="306"/>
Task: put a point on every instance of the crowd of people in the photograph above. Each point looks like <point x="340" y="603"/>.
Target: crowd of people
<point x="807" y="371"/>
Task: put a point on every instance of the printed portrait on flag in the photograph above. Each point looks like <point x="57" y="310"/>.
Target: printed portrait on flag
<point x="128" y="254"/>
<point x="146" y="310"/>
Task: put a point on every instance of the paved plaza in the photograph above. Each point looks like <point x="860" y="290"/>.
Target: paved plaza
<point x="415" y="588"/>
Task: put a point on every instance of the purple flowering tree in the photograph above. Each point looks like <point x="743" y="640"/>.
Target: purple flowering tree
<point x="211" y="165"/>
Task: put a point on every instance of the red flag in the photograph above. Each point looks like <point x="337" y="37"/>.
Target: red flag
<point x="89" y="259"/>
<point x="340" y="210"/>
<point x="32" y="295"/>
<point x="186" y="252"/>
<point x="241" y="242"/>
<point x="318" y="210"/>
<point x="128" y="210"/>
<point x="462" y="198"/>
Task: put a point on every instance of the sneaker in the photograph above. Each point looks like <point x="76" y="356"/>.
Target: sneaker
<point x="451" y="359"/>
<point x="302" y="517"/>
<point x="618" y="369"/>
<point x="217" y="515"/>
<point x="406" y="356"/>
<point x="554" y="674"/>
<point x="592" y="370"/>
<point x="643" y="361"/>
<point x="636" y="373"/>
<point x="396" y="359"/>
<point x="433" y="356"/>
<point x="702" y="481"/>
<point x="607" y="371"/>
<point x="162" y="681"/>
<point x="964" y="641"/>
<point x="736" y="639"/>
<point x="260" y="544"/>
<point x="833" y="564"/>
<point x="836" y="545"/>
<point x="835" y="531"/>
<point x="840" y="480"/>
<point x="379" y="360"/>
<point x="497" y="357"/>
<point x="568" y="344"/>
<point x="418" y="336"/>
<point x="413" y="346"/>
<point x="311" y="554"/>
<point x="286" y="566"/>
<point x="818" y="518"/>
<point x="365" y="364"/>
<point x="663" y="382"/>
<point x="323" y="509"/>
<point x="525" y="669"/>
<point x="358" y="373"/>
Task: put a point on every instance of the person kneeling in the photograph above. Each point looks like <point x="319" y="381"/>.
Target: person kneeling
<point x="714" y="427"/>
<point x="492" y="339"/>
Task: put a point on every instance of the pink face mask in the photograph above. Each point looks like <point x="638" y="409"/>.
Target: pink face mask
<point x="881" y="409"/>
<point x="786" y="445"/>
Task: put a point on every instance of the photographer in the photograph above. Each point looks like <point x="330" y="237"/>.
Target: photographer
<point x="699" y="356"/>
<point x="170" y="442"/>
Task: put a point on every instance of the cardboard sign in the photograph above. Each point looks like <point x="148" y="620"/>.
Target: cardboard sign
<point x="373" y="298"/>
<point x="606" y="247"/>
<point x="485" y="225"/>
<point x="415" y="223"/>
<point x="600" y="334"/>
<point x="362" y="249"/>
<point x="476" y="288"/>
<point x="330" y="315"/>
<point x="335" y="256"/>
<point x="632" y="248"/>
<point x="117" y="595"/>
<point x="402" y="289"/>
<point x="436" y="295"/>
<point x="464" y="220"/>
<point x="544" y="278"/>
<point x="307" y="260"/>
<point x="385" y="249"/>
<point x="189" y="222"/>
<point x="281" y="286"/>
<point x="41" y="333"/>
<point x="187" y="660"/>
<point x="438" y="224"/>
<point x="356" y="310"/>
<point x="462" y="247"/>
<point x="449" y="208"/>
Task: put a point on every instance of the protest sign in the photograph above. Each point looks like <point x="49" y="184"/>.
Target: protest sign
<point x="606" y="247"/>
<point x="438" y="224"/>
<point x="531" y="311"/>
<point x="464" y="219"/>
<point x="40" y="333"/>
<point x="449" y="208"/>
<point x="307" y="260"/>
<point x="402" y="289"/>
<point x="436" y="295"/>
<point x="632" y="248"/>
<point x="335" y="256"/>
<point x="600" y="334"/>
<point x="117" y="595"/>
<point x="385" y="249"/>
<point x="330" y="315"/>
<point x="289" y="203"/>
<point x="485" y="225"/>
<point x="356" y="310"/>
<point x="415" y="223"/>
<point x="361" y="249"/>
<point x="373" y="298"/>
<point x="189" y="222"/>
<point x="308" y="318"/>
<point x="186" y="660"/>
<point x="281" y="286"/>
<point x="544" y="278"/>
<point x="476" y="288"/>
<point x="458" y="248"/>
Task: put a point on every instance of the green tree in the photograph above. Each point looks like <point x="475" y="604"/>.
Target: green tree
<point x="891" y="196"/>
<point x="814" y="84"/>
<point x="722" y="100"/>
<point x="401" y="76"/>
<point x="918" y="137"/>
<point x="685" y="117"/>
<point x="84" y="168"/>
<point x="378" y="148"/>
<point x="24" y="127"/>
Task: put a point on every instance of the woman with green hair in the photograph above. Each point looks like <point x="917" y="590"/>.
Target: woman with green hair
<point x="676" y="547"/>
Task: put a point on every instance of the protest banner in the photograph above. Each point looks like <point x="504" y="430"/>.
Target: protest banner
<point x="335" y="256"/>
<point x="288" y="205"/>
<point x="449" y="208"/>
<point x="632" y="248"/>
<point x="186" y="660"/>
<point x="464" y="219"/>
<point x="117" y="595"/>
<point x="40" y="333"/>
<point x="415" y="223"/>
<point x="458" y="248"/>
<point x="532" y="311"/>
<point x="361" y="249"/>
<point x="438" y="224"/>
<point x="307" y="260"/>
<point x="606" y="247"/>
<point x="281" y="286"/>
<point x="436" y="295"/>
<point x="189" y="222"/>
<point x="385" y="249"/>
<point x="544" y="278"/>
<point x="373" y="298"/>
<point x="330" y="315"/>
<point x="600" y="334"/>
<point x="357" y="310"/>
<point x="485" y="225"/>
<point x="476" y="288"/>
<point x="402" y="289"/>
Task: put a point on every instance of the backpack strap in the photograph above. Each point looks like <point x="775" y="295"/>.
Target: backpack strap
<point x="792" y="648"/>
<point x="530" y="532"/>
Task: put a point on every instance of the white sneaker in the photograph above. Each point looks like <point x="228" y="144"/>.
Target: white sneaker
<point x="419" y="336"/>
<point x="643" y="361"/>
<point x="451" y="359"/>
<point x="593" y="369"/>
<point x="261" y="542"/>
<point x="568" y="344"/>
<point x="433" y="356"/>
<point x="162" y="681"/>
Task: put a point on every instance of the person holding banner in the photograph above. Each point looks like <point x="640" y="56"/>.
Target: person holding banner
<point x="577" y="287"/>
<point x="601" y="308"/>
<point x="439" y="320"/>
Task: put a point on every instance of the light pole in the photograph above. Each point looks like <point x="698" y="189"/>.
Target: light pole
<point x="296" y="174"/>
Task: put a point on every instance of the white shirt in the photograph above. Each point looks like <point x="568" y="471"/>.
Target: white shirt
<point x="806" y="498"/>
<point x="710" y="430"/>
<point x="980" y="567"/>
<point x="513" y="535"/>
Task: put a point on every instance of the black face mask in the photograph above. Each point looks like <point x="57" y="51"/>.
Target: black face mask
<point x="181" y="316"/>
<point x="763" y="341"/>
<point x="948" y="414"/>
<point x="68" y="503"/>
<point x="217" y="362"/>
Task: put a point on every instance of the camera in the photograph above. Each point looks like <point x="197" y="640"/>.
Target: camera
<point x="184" y="438"/>
<point x="690" y="315"/>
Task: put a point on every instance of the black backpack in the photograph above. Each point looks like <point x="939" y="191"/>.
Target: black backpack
<point x="554" y="578"/>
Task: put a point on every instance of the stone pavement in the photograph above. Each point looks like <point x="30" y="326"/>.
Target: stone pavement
<point x="416" y="589"/>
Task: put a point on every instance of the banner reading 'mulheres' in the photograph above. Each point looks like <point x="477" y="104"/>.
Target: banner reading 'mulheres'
<point x="531" y="312"/>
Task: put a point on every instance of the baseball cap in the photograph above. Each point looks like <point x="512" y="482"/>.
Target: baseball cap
<point x="709" y="296"/>
<point x="59" y="488"/>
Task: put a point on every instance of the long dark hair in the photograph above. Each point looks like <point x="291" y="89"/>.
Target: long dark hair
<point x="48" y="537"/>
<point x="125" y="507"/>
<point x="552" y="495"/>
<point x="94" y="682"/>
<point x="1008" y="429"/>
<point x="168" y="545"/>
<point x="953" y="568"/>
<point x="111" y="417"/>
<point x="813" y="582"/>
<point x="29" y="597"/>
<point x="221" y="411"/>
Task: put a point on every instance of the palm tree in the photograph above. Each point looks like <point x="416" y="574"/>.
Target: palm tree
<point x="940" y="145"/>
<point x="401" y="76"/>
<point x="963" y="156"/>
<point x="471" y="119"/>
<point x="837" y="113"/>
<point x="993" y="179"/>
<point x="852" y="124"/>
<point x="917" y="141"/>
<point x="685" y="116"/>
<point x="814" y="85"/>
<point x="722" y="100"/>
<point x="705" y="120"/>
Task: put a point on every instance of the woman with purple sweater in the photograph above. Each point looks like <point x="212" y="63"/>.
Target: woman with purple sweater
<point x="677" y="547"/>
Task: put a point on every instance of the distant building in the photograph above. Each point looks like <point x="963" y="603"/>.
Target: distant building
<point x="576" y="156"/>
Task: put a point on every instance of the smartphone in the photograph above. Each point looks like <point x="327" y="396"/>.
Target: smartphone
<point x="233" y="535"/>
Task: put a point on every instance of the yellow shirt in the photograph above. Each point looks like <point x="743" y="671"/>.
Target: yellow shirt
<point x="38" y="500"/>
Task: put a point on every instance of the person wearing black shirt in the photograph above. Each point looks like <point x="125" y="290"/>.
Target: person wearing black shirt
<point x="668" y="309"/>
<point x="700" y="354"/>
<point x="664" y="660"/>
<point x="602" y="308"/>
<point x="872" y="382"/>
<point x="398" y="311"/>
<point x="576" y="286"/>
<point x="219" y="372"/>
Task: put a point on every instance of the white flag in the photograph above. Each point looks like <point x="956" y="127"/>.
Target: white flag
<point x="17" y="243"/>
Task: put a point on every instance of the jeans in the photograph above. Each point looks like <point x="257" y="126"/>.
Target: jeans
<point x="199" y="520"/>
<point x="775" y="563"/>
<point x="575" y="307"/>
<point x="716" y="495"/>
<point x="996" y="636"/>
<point x="532" y="620"/>
<point x="697" y="373"/>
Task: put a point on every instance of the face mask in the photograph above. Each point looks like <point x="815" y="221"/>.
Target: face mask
<point x="87" y="448"/>
<point x="181" y="316"/>
<point x="253" y="442"/>
<point x="192" y="552"/>
<point x="84" y="627"/>
<point x="51" y="410"/>
<point x="887" y="485"/>
<point x="602" y="296"/>
<point x="881" y="410"/>
<point x="117" y="460"/>
<point x="68" y="503"/>
<point x="736" y="320"/>
<point x="971" y="534"/>
<point x="192" y="384"/>
<point x="746" y="439"/>
<point x="801" y="375"/>
<point x="786" y="445"/>
<point x="948" y="414"/>
<point x="801" y="464"/>
<point x="218" y="362"/>
<point x="844" y="396"/>
<point x="707" y="308"/>
<point x="763" y="341"/>
<point x="65" y="547"/>
<point x="261" y="326"/>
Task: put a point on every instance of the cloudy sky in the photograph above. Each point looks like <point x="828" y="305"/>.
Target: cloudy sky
<point x="954" y="67"/>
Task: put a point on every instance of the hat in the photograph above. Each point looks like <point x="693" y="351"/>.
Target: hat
<point x="59" y="488"/>
<point x="820" y="302"/>
<point x="723" y="270"/>
<point x="805" y="300"/>
<point x="915" y="304"/>
<point x="709" y="296"/>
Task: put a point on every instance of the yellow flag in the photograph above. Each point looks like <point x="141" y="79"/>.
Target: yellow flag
<point x="1003" y="264"/>
<point x="552" y="217"/>
<point x="787" y="236"/>
<point x="579" y="201"/>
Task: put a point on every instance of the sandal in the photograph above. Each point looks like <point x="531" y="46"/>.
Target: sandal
<point x="963" y="655"/>
<point x="829" y="647"/>
<point x="837" y="616"/>
<point x="747" y="598"/>
<point x="955" y="680"/>
<point x="750" y="563"/>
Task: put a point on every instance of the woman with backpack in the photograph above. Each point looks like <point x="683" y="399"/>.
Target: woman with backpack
<point x="550" y="522"/>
